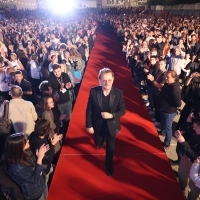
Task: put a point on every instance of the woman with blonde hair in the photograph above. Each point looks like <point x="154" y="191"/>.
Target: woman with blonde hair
<point x="77" y="59"/>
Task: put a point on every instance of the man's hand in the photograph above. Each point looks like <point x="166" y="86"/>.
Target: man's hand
<point x="197" y="160"/>
<point x="106" y="115"/>
<point x="145" y="70"/>
<point x="56" y="138"/>
<point x="90" y="130"/>
<point x="195" y="74"/>
<point x="150" y="77"/>
<point x="190" y="117"/>
<point x="179" y="136"/>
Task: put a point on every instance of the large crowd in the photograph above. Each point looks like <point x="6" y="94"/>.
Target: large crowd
<point x="42" y="62"/>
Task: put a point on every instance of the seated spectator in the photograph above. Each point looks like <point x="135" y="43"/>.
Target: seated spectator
<point x="23" y="168"/>
<point x="21" y="113"/>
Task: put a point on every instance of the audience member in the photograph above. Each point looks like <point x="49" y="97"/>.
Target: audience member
<point x="24" y="168"/>
<point x="21" y="113"/>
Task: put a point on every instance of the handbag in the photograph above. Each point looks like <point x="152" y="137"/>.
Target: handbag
<point x="5" y="123"/>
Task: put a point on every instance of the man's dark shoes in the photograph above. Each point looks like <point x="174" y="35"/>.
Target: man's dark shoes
<point x="174" y="162"/>
<point x="161" y="134"/>
<point x="109" y="171"/>
<point x="99" y="147"/>
<point x="166" y="147"/>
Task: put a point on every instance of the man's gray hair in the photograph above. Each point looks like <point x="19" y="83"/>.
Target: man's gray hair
<point x="105" y="71"/>
<point x="16" y="91"/>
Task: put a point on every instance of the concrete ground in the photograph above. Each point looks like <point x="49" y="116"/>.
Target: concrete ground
<point x="171" y="152"/>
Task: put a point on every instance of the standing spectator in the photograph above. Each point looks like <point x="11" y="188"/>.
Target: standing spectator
<point x="61" y="84"/>
<point x="191" y="148"/>
<point x="5" y="81"/>
<point x="41" y="136"/>
<point x="158" y="81"/>
<point x="35" y="69"/>
<point x="77" y="59"/>
<point x="149" y="84"/>
<point x="177" y="61"/>
<point x="138" y="72"/>
<point x="169" y="100"/>
<point x="194" y="172"/>
<point x="26" y="86"/>
<point x="17" y="65"/>
<point x="23" y="167"/>
<point x="21" y="113"/>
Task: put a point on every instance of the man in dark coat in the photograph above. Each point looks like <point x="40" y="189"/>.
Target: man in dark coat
<point x="104" y="109"/>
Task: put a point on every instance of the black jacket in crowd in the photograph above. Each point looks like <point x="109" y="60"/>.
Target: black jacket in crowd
<point x="170" y="98"/>
<point x="53" y="81"/>
<point x="191" y="145"/>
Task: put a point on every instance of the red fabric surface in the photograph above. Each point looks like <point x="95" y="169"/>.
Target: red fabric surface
<point x="141" y="168"/>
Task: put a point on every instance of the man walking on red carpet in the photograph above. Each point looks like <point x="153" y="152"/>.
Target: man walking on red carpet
<point x="104" y="109"/>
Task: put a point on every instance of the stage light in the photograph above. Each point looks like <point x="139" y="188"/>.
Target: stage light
<point x="62" y="6"/>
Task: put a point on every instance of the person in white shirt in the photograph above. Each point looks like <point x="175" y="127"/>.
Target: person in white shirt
<point x="5" y="81"/>
<point x="35" y="72"/>
<point x="194" y="173"/>
<point x="16" y="64"/>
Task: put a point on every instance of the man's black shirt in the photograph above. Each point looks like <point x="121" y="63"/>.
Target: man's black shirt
<point x="56" y="85"/>
<point x="26" y="87"/>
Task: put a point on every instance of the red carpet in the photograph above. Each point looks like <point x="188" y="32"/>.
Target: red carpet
<point x="141" y="168"/>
